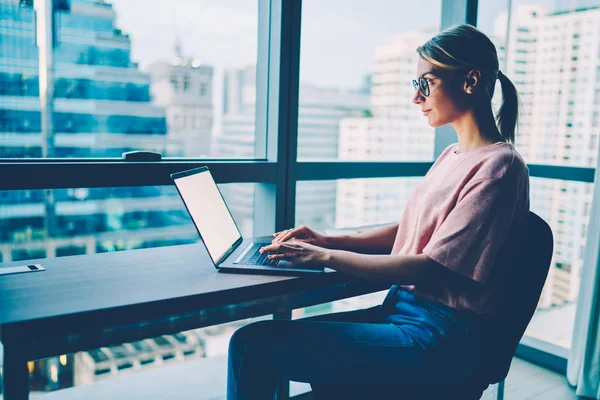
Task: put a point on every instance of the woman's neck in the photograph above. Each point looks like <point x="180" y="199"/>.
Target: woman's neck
<point x="476" y="129"/>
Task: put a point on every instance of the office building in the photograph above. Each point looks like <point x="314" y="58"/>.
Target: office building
<point x="183" y="87"/>
<point x="552" y="60"/>
<point x="395" y="130"/>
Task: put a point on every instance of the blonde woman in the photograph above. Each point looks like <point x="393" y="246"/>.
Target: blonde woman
<point x="445" y="259"/>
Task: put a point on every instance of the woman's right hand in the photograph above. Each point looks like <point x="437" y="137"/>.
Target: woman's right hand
<point x="302" y="233"/>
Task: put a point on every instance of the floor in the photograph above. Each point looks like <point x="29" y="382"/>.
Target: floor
<point x="528" y="381"/>
<point x="525" y="381"/>
<point x="197" y="380"/>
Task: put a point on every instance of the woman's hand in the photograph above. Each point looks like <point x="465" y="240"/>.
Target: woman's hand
<point x="302" y="234"/>
<point x="297" y="253"/>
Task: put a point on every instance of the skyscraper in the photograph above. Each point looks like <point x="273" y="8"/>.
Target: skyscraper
<point x="183" y="87"/>
<point x="394" y="131"/>
<point x="553" y="60"/>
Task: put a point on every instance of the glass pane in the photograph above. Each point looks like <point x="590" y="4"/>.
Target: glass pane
<point x="566" y="207"/>
<point x="350" y="203"/>
<point x="64" y="222"/>
<point x="127" y="75"/>
<point x="356" y="68"/>
<point x="551" y="58"/>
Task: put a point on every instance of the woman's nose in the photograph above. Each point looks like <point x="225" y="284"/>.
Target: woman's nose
<point x="418" y="98"/>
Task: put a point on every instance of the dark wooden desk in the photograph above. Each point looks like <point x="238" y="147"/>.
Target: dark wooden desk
<point x="85" y="302"/>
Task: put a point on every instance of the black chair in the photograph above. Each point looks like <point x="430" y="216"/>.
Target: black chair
<point x="534" y="247"/>
<point x="533" y="257"/>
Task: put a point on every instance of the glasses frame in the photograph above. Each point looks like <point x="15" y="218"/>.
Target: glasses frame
<point x="422" y="84"/>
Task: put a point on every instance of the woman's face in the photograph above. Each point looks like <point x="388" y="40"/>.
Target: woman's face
<point x="446" y="101"/>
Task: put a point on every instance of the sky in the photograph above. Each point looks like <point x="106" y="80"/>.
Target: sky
<point x="338" y="36"/>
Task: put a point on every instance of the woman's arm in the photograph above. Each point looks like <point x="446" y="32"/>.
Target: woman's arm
<point x="377" y="241"/>
<point x="390" y="269"/>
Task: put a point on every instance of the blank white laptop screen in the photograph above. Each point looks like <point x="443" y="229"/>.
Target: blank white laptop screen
<point x="209" y="212"/>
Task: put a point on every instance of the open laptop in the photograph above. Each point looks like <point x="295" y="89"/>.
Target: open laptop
<point x="219" y="232"/>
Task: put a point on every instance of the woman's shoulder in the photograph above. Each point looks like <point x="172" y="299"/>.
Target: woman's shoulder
<point x="501" y="161"/>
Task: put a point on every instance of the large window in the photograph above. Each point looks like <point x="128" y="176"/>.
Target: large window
<point x="356" y="67"/>
<point x="173" y="79"/>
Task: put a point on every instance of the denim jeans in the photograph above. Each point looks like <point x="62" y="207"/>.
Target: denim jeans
<point x="407" y="342"/>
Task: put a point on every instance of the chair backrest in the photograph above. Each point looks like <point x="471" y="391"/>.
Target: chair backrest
<point x="534" y="247"/>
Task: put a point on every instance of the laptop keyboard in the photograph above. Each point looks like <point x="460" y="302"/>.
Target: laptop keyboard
<point x="253" y="257"/>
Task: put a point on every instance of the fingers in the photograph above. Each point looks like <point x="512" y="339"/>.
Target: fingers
<point x="284" y="235"/>
<point x="283" y="256"/>
<point x="269" y="249"/>
<point x="281" y="247"/>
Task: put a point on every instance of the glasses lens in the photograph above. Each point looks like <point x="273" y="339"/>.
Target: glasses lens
<point x="415" y="84"/>
<point x="424" y="86"/>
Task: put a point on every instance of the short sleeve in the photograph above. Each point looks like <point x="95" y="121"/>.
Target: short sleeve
<point x="469" y="239"/>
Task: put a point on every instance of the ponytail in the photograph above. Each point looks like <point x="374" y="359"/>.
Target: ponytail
<point x="508" y="114"/>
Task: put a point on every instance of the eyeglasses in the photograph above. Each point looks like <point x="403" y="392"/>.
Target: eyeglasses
<point x="422" y="85"/>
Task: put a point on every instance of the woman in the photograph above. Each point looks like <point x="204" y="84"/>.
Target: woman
<point x="446" y="257"/>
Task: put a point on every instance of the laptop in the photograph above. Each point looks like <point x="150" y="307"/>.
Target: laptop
<point x="228" y="250"/>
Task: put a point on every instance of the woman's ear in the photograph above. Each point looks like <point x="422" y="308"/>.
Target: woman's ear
<point x="472" y="81"/>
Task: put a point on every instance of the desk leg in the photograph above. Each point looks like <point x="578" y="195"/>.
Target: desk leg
<point x="283" y="387"/>
<point x="15" y="374"/>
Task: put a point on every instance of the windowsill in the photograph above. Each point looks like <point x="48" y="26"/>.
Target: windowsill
<point x="544" y="354"/>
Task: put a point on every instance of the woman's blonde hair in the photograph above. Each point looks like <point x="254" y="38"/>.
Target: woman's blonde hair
<point x="465" y="47"/>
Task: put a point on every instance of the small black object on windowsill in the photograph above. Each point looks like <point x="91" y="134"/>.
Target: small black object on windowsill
<point x="139" y="155"/>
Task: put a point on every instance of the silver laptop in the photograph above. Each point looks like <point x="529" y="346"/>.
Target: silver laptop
<point x="220" y="234"/>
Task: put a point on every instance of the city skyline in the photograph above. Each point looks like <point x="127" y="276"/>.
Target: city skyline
<point x="325" y="25"/>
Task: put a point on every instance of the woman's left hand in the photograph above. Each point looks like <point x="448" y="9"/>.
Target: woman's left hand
<point x="297" y="253"/>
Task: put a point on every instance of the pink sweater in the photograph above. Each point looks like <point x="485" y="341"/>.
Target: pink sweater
<point x="463" y="215"/>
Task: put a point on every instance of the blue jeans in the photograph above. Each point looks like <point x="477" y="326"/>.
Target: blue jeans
<point x="407" y="342"/>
